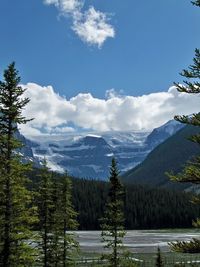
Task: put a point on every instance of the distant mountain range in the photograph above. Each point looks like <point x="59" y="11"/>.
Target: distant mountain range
<point x="170" y="155"/>
<point x="89" y="155"/>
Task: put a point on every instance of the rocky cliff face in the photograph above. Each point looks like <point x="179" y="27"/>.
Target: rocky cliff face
<point x="27" y="150"/>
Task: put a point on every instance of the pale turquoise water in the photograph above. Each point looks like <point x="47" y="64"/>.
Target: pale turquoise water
<point x="138" y="240"/>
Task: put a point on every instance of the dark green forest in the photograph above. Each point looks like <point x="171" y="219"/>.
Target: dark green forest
<point x="145" y="208"/>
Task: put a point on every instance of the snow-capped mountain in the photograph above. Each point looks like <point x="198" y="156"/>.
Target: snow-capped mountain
<point x="160" y="134"/>
<point x="89" y="155"/>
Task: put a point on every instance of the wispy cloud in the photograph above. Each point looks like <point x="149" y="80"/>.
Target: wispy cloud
<point x="56" y="114"/>
<point x="66" y="6"/>
<point x="92" y="26"/>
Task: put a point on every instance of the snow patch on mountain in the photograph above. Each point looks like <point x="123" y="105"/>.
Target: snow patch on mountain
<point x="89" y="154"/>
<point x="170" y="127"/>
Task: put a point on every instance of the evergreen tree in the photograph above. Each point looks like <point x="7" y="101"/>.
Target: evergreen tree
<point x="113" y="220"/>
<point x="64" y="221"/>
<point x="57" y="216"/>
<point x="55" y="227"/>
<point x="159" y="261"/>
<point x="16" y="212"/>
<point x="45" y="210"/>
<point x="142" y="208"/>
<point x="191" y="172"/>
<point x="68" y="220"/>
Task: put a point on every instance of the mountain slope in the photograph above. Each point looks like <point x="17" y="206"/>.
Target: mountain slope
<point x="158" y="135"/>
<point x="89" y="155"/>
<point x="170" y="155"/>
<point x="26" y="150"/>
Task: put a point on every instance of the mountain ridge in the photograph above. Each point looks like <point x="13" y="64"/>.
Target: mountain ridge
<point x="171" y="155"/>
<point x="89" y="155"/>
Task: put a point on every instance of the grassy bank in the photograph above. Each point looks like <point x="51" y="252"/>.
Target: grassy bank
<point x="142" y="260"/>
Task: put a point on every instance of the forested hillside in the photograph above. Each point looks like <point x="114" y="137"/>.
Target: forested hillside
<point x="145" y="208"/>
<point x="171" y="155"/>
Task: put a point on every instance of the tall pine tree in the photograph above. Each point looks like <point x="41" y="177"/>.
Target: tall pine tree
<point x="16" y="212"/>
<point x="191" y="172"/>
<point x="113" y="221"/>
<point x="56" y="218"/>
<point x="68" y="221"/>
<point x="64" y="244"/>
<point x="46" y="208"/>
<point x="56" y="241"/>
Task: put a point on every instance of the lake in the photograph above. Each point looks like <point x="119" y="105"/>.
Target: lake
<point x="138" y="241"/>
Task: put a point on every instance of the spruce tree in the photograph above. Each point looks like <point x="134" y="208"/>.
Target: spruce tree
<point x="17" y="215"/>
<point x="191" y="172"/>
<point x="55" y="225"/>
<point x="45" y="210"/>
<point x="56" y="218"/>
<point x="64" y="244"/>
<point x="68" y="221"/>
<point x="112" y="224"/>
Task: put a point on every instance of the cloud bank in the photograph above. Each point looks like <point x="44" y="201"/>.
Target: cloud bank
<point x="56" y="115"/>
<point x="91" y="25"/>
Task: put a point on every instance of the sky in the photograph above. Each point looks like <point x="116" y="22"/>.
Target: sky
<point x="100" y="65"/>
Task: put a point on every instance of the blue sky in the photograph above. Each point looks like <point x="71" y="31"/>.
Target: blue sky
<point x="146" y="45"/>
<point x="154" y="40"/>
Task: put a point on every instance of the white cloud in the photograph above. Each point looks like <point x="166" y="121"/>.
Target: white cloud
<point x="60" y="130"/>
<point x="53" y="113"/>
<point x="46" y="107"/>
<point x="51" y="2"/>
<point x="66" y="6"/>
<point x="113" y="93"/>
<point x="91" y="25"/>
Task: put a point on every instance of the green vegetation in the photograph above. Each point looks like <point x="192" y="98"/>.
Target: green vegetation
<point x="170" y="155"/>
<point x="17" y="215"/>
<point x="56" y="217"/>
<point x="143" y="260"/>
<point x="145" y="208"/>
<point x="191" y="171"/>
<point x="67" y="220"/>
<point x="112" y="224"/>
<point x="47" y="209"/>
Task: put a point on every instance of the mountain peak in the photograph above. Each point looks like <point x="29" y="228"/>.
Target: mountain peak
<point x="158" y="135"/>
